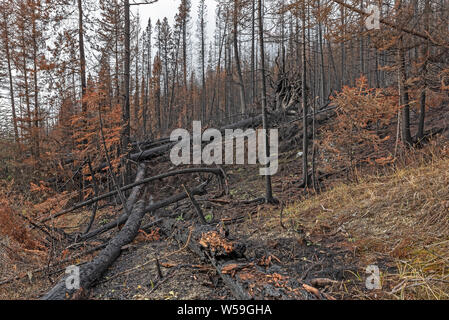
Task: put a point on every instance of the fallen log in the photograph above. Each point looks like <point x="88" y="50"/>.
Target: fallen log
<point x="151" y="149"/>
<point x="195" y="205"/>
<point x="129" y="203"/>
<point x="218" y="252"/>
<point x="93" y="270"/>
<point x="215" y="171"/>
<point x="137" y="187"/>
<point x="167" y="144"/>
<point x="146" y="144"/>
<point x="150" y="208"/>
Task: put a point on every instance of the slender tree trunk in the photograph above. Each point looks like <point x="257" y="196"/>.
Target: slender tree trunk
<point x="228" y="89"/>
<point x="336" y="82"/>
<point x="405" y="101"/>
<point x="342" y="47"/>
<point x="27" y="89"/>
<point x="166" y="89"/>
<point x="158" y="108"/>
<point x="218" y="71"/>
<point x="36" y="85"/>
<point x="137" y="90"/>
<point x="184" y="63"/>
<point x="175" y="74"/>
<point x="269" y="192"/>
<point x="305" y="165"/>
<point x="361" y="44"/>
<point x="145" y="94"/>
<point x="253" y="36"/>
<point x="237" y="59"/>
<point x="126" y="104"/>
<point x="377" y="76"/>
<point x="82" y="55"/>
<point x="11" y="86"/>
<point x="323" y="98"/>
<point x="117" y="67"/>
<point x="148" y="77"/>
<point x="424" y="55"/>
<point x="203" y="71"/>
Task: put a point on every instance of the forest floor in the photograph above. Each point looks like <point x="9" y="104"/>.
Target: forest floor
<point x="394" y="221"/>
<point x="396" y="218"/>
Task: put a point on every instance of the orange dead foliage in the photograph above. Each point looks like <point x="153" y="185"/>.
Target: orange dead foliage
<point x="151" y="237"/>
<point x="355" y="136"/>
<point x="214" y="241"/>
<point x="13" y="227"/>
<point x="232" y="268"/>
<point x="312" y="290"/>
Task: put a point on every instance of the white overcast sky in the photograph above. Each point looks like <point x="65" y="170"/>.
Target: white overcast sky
<point x="169" y="8"/>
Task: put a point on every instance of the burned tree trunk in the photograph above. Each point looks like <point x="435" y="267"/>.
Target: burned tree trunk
<point x="151" y="208"/>
<point x="212" y="246"/>
<point x="93" y="270"/>
<point x="137" y="185"/>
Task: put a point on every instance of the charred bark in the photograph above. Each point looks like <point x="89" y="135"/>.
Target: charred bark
<point x="92" y="271"/>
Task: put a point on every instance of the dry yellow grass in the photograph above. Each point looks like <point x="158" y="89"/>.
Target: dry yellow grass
<point x="403" y="216"/>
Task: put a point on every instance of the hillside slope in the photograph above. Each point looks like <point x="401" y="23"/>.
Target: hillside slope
<point x="397" y="220"/>
<point x="401" y="218"/>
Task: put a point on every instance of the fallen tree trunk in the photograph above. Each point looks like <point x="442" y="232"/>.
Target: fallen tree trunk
<point x="220" y="251"/>
<point x="215" y="171"/>
<point x="152" y="149"/>
<point x="151" y="208"/>
<point x="167" y="144"/>
<point x="93" y="270"/>
<point x="129" y="203"/>
<point x="137" y="187"/>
